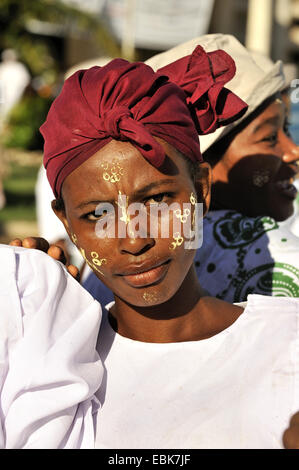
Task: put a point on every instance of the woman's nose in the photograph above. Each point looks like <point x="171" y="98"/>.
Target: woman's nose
<point x="289" y="148"/>
<point x="135" y="246"/>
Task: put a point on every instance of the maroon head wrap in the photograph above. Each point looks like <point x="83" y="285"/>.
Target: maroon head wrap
<point x="130" y="102"/>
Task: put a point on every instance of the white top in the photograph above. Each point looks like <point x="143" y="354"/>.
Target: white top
<point x="237" y="389"/>
<point x="242" y="255"/>
<point x="49" y="368"/>
<point x="14" y="78"/>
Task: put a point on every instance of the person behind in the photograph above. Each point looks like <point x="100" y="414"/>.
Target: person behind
<point x="47" y="322"/>
<point x="14" y="78"/>
<point x="248" y="245"/>
<point x="182" y="369"/>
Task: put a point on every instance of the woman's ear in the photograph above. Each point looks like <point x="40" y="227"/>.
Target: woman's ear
<point x="59" y="209"/>
<point x="203" y="184"/>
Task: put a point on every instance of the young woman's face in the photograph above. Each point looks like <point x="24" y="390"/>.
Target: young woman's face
<point x="144" y="270"/>
<point x="255" y="174"/>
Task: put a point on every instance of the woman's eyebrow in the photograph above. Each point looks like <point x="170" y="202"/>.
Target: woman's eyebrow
<point x="138" y="192"/>
<point x="153" y="185"/>
<point x="88" y="203"/>
<point x="273" y="120"/>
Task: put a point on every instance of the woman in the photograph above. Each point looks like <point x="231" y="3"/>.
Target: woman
<point x="247" y="246"/>
<point x="182" y="370"/>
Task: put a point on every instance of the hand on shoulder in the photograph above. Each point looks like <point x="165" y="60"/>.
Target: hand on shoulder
<point x="55" y="251"/>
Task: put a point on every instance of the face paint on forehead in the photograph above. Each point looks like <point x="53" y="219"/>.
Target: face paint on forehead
<point x="112" y="171"/>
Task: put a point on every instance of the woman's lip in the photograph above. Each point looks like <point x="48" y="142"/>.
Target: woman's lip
<point x="286" y="188"/>
<point x="147" y="278"/>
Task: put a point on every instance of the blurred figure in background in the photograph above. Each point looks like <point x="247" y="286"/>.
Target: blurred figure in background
<point x="14" y="78"/>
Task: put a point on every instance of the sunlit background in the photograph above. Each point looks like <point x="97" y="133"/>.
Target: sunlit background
<point x="43" y="41"/>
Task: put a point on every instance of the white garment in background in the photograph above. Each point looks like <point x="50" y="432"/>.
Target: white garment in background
<point x="293" y="221"/>
<point x="237" y="389"/>
<point x="14" y="78"/>
<point x="49" y="226"/>
<point x="49" y="368"/>
<point x="243" y="255"/>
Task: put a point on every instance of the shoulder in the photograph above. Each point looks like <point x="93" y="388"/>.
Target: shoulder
<point x="270" y="304"/>
<point x="32" y="284"/>
<point x="276" y="317"/>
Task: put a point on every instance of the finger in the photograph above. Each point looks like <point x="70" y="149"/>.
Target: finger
<point x="74" y="271"/>
<point x="290" y="438"/>
<point x="16" y="242"/>
<point x="36" y="242"/>
<point x="295" y="420"/>
<point x="57" y="253"/>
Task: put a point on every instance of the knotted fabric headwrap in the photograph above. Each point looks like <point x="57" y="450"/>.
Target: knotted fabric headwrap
<point x="130" y="102"/>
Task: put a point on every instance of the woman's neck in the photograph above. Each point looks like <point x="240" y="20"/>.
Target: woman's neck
<point x="189" y="315"/>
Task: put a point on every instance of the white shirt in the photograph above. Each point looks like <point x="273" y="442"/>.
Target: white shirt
<point x="237" y="389"/>
<point x="49" y="368"/>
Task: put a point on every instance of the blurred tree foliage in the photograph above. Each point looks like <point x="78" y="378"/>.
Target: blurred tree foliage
<point x="40" y="54"/>
<point x="24" y="122"/>
<point x="15" y="16"/>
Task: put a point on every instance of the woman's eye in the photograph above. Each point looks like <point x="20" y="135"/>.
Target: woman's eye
<point x="272" y="139"/>
<point x="157" y="198"/>
<point x="95" y="215"/>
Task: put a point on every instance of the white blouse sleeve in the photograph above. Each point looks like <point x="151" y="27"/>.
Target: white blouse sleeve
<point x="49" y="367"/>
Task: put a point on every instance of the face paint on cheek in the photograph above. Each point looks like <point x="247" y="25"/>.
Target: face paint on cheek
<point x="193" y="201"/>
<point x="74" y="238"/>
<point x="96" y="261"/>
<point x="183" y="217"/>
<point x="260" y="178"/>
<point x="178" y="240"/>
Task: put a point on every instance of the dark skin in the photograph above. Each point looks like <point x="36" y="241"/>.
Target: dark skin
<point x="257" y="155"/>
<point x="291" y="434"/>
<point x="176" y="309"/>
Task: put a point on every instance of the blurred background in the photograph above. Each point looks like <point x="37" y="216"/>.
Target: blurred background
<point x="44" y="41"/>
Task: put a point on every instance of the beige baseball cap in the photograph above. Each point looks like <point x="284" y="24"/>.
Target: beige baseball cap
<point x="256" y="78"/>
